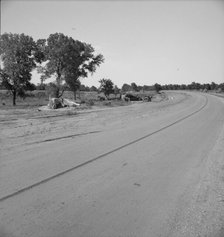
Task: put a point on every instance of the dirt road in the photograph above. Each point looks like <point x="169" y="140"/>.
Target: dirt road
<point x="149" y="169"/>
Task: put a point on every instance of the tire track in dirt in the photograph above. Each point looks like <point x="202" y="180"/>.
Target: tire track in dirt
<point x="63" y="137"/>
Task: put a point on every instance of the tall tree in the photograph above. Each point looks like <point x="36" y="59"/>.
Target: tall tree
<point x="134" y="86"/>
<point x="68" y="59"/>
<point x="157" y="87"/>
<point x="106" y="86"/>
<point x="126" y="87"/>
<point x="19" y="53"/>
<point x="214" y="86"/>
<point x="93" y="88"/>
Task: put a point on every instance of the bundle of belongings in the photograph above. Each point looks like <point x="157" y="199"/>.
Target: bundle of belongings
<point x="56" y="103"/>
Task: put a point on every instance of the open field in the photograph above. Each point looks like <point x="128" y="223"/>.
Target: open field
<point x="31" y="106"/>
<point x="40" y="98"/>
<point x="25" y="120"/>
<point x="146" y="169"/>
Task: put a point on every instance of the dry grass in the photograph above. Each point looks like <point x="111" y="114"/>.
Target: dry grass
<point x="36" y="99"/>
<point x="33" y="99"/>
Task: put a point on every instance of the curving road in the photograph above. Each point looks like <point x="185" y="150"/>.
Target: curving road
<point x="131" y="177"/>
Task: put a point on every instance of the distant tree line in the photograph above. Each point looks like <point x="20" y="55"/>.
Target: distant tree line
<point x="68" y="61"/>
<point x="195" y="86"/>
<point x="158" y="87"/>
<point x="128" y="88"/>
<point x="133" y="87"/>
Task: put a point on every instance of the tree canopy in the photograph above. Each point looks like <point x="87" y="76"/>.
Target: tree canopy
<point x="19" y="54"/>
<point x="157" y="87"/>
<point x="134" y="87"/>
<point x="106" y="86"/>
<point x="126" y="87"/>
<point x="68" y="59"/>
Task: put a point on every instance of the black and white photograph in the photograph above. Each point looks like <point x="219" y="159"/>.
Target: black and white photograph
<point x="112" y="118"/>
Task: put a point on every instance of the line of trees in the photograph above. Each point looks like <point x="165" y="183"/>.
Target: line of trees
<point x="66" y="59"/>
<point x="158" y="87"/>
<point x="133" y="87"/>
<point x="127" y="88"/>
<point x="195" y="86"/>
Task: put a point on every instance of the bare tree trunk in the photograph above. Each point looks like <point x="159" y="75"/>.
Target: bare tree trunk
<point x="58" y="83"/>
<point x="14" y="97"/>
<point x="57" y="93"/>
<point x="74" y="95"/>
<point x="62" y="92"/>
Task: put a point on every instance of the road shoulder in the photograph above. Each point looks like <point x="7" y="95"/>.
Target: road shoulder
<point x="204" y="215"/>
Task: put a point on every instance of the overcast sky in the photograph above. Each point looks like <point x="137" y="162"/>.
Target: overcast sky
<point x="142" y="41"/>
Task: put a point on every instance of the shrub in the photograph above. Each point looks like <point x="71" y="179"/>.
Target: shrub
<point x="107" y="103"/>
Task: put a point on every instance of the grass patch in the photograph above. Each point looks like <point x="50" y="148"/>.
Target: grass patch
<point x="35" y="99"/>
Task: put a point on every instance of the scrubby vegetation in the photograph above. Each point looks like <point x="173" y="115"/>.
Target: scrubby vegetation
<point x="68" y="60"/>
<point x="87" y="99"/>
